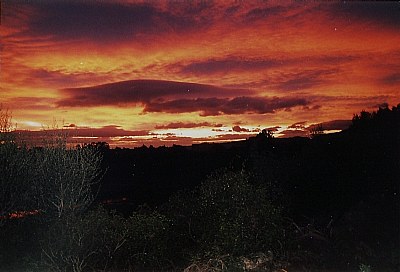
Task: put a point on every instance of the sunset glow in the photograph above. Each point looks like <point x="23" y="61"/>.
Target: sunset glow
<point x="182" y="72"/>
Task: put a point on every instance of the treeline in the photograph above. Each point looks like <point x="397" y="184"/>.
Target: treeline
<point x="258" y="205"/>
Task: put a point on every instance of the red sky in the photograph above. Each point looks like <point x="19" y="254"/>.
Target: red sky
<point x="181" y="72"/>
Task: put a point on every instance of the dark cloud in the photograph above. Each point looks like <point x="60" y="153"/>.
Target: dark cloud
<point x="375" y="12"/>
<point x="304" y="80"/>
<point x="187" y="125"/>
<point x="180" y="140"/>
<point x="263" y="13"/>
<point x="226" y="65"/>
<point x="331" y="60"/>
<point x="139" y="92"/>
<point x="208" y="106"/>
<point x="392" y="79"/>
<point x="76" y="131"/>
<point x="351" y="101"/>
<point x="80" y="135"/>
<point x="273" y="129"/>
<point x="288" y="133"/>
<point x="298" y="125"/>
<point x="332" y="125"/>
<point x="218" y="106"/>
<point x="300" y="129"/>
<point x="176" y="97"/>
<point x="107" y="131"/>
<point x="100" y="21"/>
<point x="224" y="138"/>
<point x="295" y="130"/>
<point x="231" y="64"/>
<point x="239" y="129"/>
<point x="312" y="108"/>
<point x="200" y="12"/>
<point x="153" y="141"/>
<point x="231" y="10"/>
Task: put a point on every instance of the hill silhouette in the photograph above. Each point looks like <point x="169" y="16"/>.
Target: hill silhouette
<point x="330" y="201"/>
<point x="349" y="180"/>
<point x="360" y="155"/>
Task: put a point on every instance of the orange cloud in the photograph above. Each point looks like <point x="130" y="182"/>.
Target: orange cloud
<point x="141" y="65"/>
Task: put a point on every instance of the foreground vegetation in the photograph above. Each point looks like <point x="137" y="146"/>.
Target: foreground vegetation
<point x="321" y="203"/>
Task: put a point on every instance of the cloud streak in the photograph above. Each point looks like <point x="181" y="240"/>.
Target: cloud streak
<point x="230" y="64"/>
<point x="227" y="65"/>
<point x="305" y="79"/>
<point x="76" y="131"/>
<point x="178" y="125"/>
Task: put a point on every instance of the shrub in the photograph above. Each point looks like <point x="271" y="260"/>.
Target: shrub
<point x="78" y="242"/>
<point x="15" y="186"/>
<point x="227" y="214"/>
<point x="103" y="240"/>
<point x="240" y="218"/>
<point x="147" y="245"/>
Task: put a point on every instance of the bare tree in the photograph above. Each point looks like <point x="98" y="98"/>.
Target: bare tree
<point x="6" y="126"/>
<point x="53" y="178"/>
<point x="61" y="183"/>
<point x="89" y="240"/>
<point x="14" y="165"/>
<point x="65" y="178"/>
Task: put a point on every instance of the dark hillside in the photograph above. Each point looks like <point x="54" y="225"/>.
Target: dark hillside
<point x="327" y="202"/>
<point x="150" y="175"/>
<point x="333" y="171"/>
<point x="341" y="187"/>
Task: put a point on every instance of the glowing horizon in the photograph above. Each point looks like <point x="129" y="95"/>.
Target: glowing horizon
<point x="165" y="72"/>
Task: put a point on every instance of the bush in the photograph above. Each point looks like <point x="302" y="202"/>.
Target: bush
<point x="227" y="214"/>
<point x="103" y="240"/>
<point x="147" y="245"/>
<point x="15" y="186"/>
<point x="240" y="218"/>
<point x="78" y="242"/>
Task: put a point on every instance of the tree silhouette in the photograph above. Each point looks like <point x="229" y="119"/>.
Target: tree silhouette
<point x="64" y="177"/>
<point x="14" y="170"/>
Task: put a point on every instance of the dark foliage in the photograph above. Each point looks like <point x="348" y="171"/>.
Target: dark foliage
<point x="331" y="201"/>
<point x="226" y="214"/>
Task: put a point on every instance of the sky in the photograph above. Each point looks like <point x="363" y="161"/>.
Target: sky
<point x="183" y="72"/>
